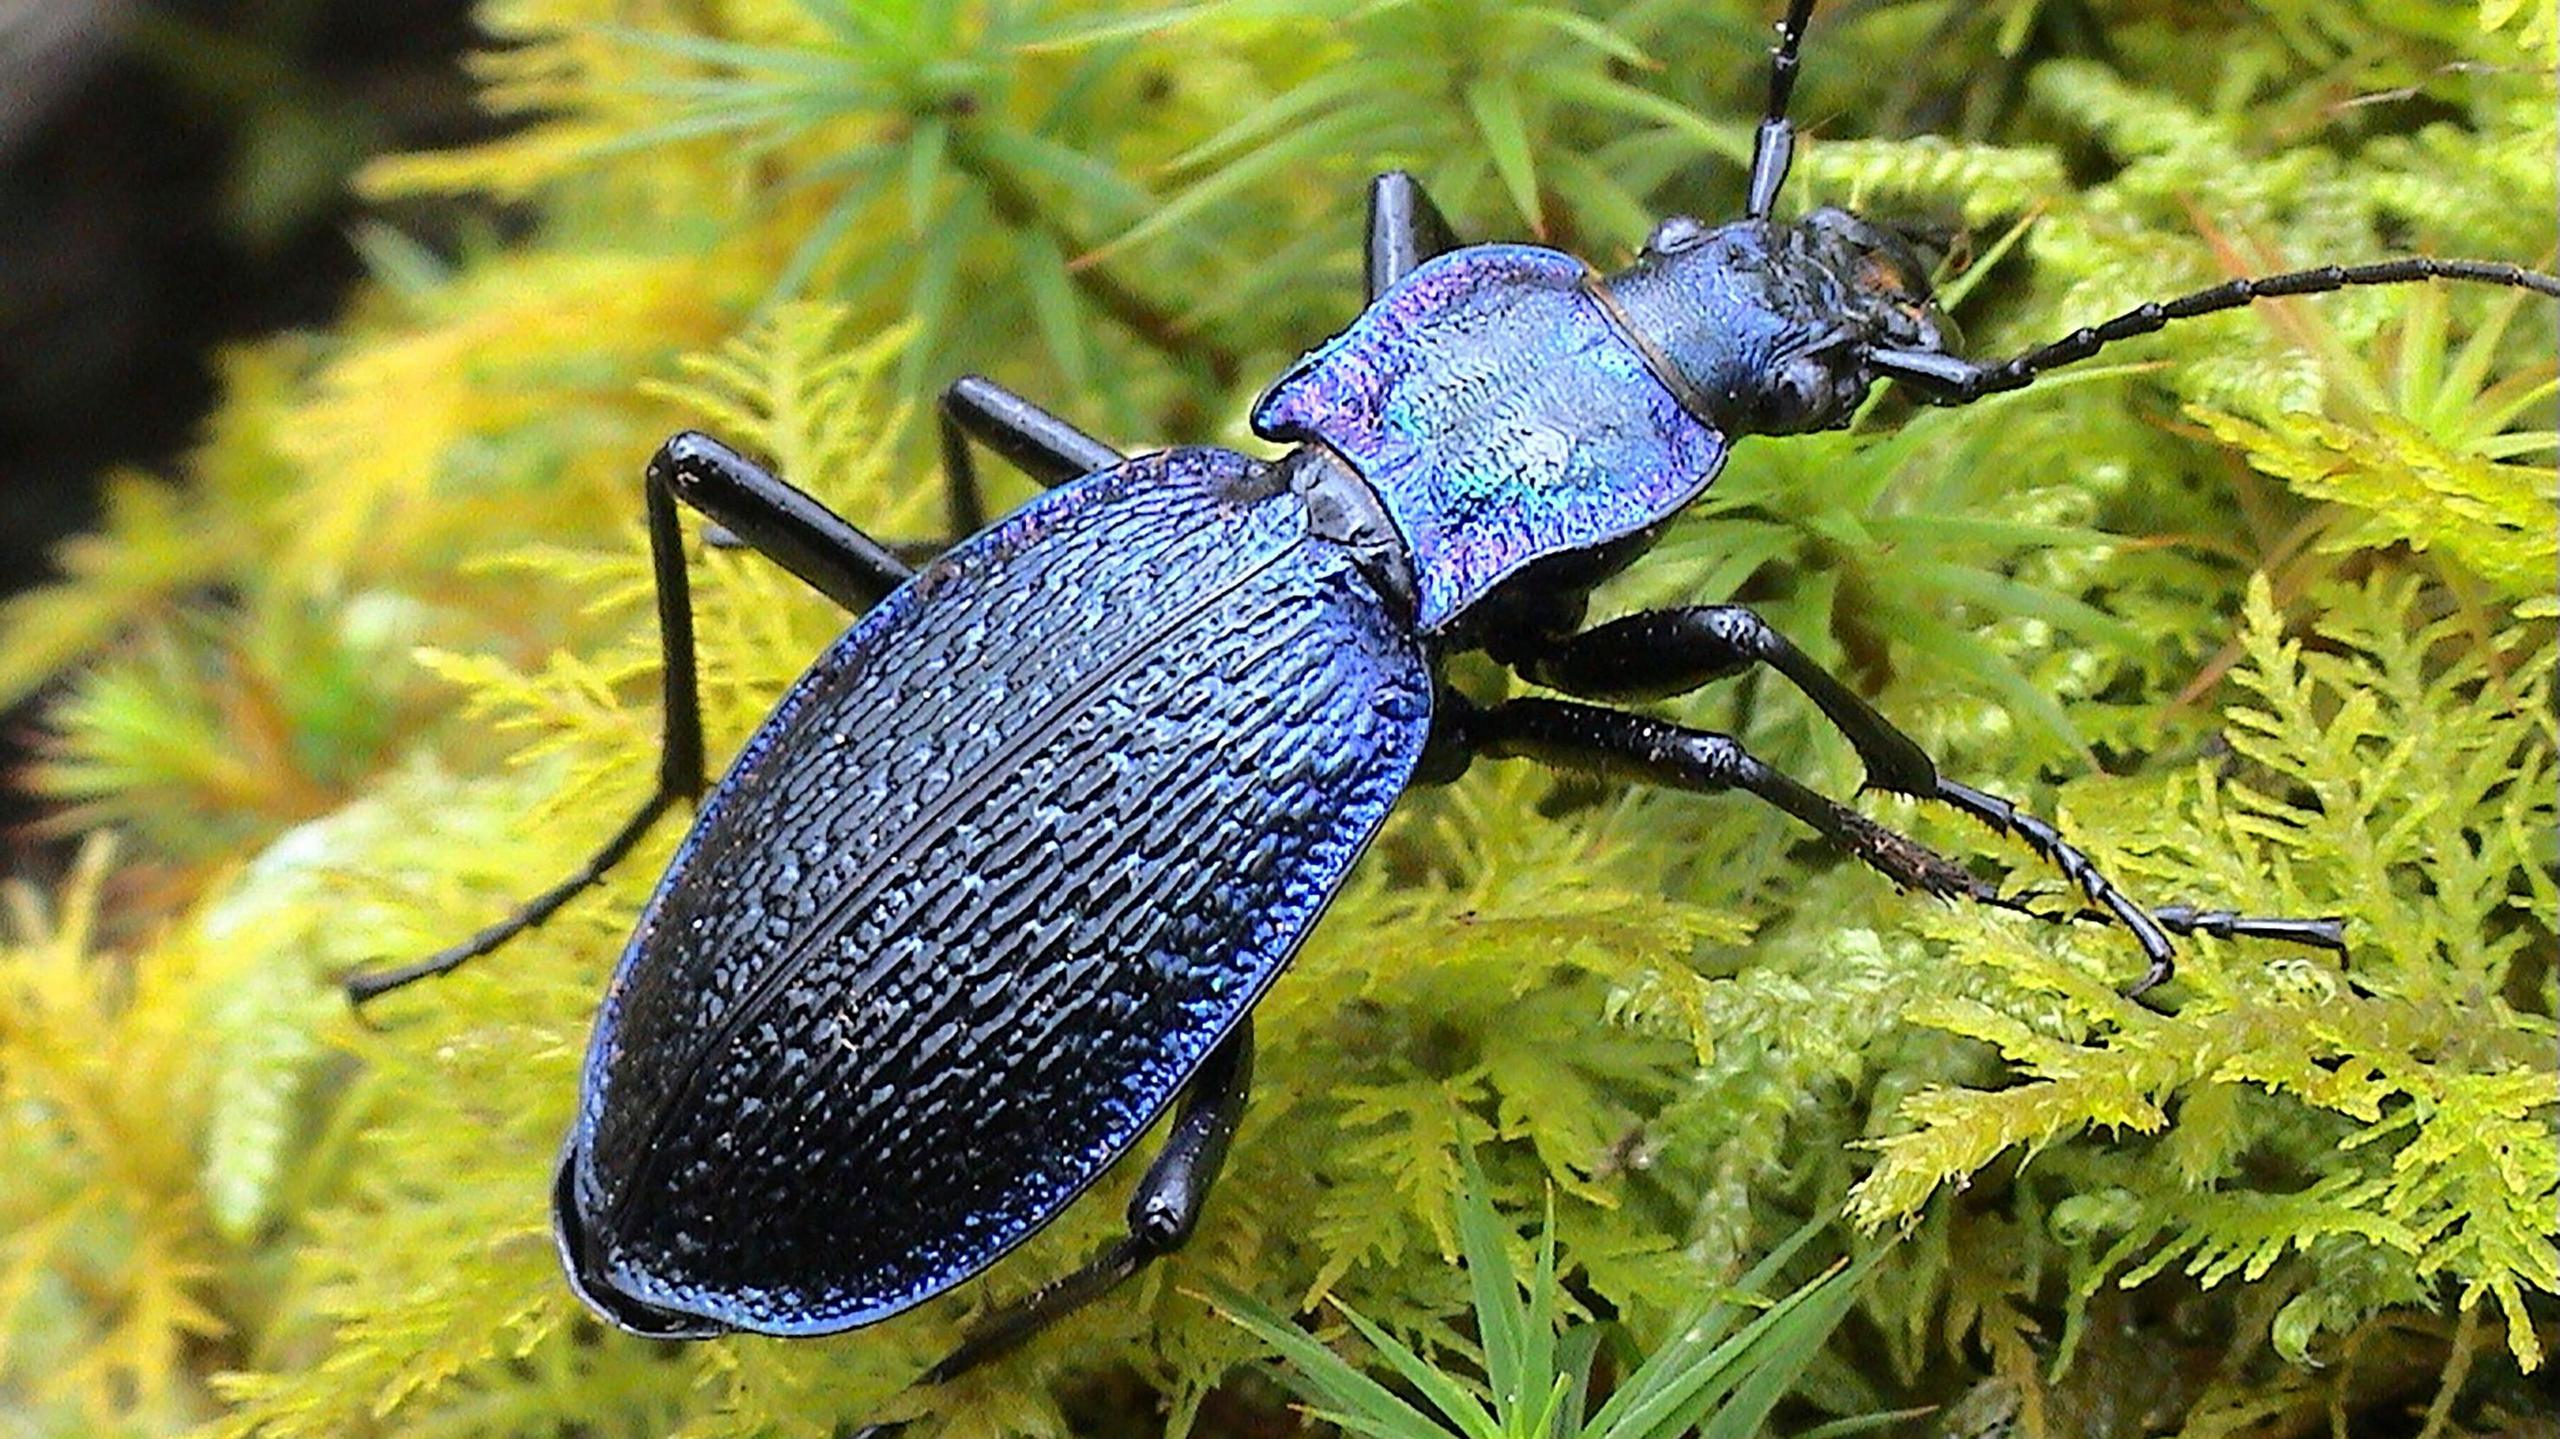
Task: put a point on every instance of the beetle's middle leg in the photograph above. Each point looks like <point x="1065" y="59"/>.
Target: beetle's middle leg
<point x="761" y="510"/>
<point x="1671" y="651"/>
<point x="1657" y="751"/>
<point x="1162" y="1214"/>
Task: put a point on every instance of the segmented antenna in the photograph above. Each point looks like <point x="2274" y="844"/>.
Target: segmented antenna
<point x="1951" y="380"/>
<point x="1775" y="149"/>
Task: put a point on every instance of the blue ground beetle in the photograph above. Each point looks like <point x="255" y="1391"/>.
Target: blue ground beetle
<point x="1004" y="874"/>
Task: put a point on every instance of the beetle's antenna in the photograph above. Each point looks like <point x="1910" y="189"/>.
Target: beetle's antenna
<point x="1950" y="380"/>
<point x="1775" y="148"/>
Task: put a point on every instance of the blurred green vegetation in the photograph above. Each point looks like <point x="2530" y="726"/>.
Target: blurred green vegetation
<point x="2263" y="611"/>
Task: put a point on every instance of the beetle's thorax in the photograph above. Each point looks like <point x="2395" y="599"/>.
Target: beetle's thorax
<point x="1501" y="414"/>
<point x="1765" y="329"/>
<point x="1496" y="400"/>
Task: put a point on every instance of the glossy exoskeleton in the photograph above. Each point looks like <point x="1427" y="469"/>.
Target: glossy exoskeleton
<point x="1004" y="874"/>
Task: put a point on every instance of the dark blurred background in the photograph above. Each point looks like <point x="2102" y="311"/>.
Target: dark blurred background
<point x="173" y="175"/>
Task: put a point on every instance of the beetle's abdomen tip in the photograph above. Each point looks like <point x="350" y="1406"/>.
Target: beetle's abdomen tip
<point x="582" y="1259"/>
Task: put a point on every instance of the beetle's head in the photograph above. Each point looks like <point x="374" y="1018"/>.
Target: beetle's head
<point x="1768" y="327"/>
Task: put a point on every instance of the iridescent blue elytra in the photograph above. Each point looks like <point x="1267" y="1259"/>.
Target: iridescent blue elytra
<point x="1006" y="863"/>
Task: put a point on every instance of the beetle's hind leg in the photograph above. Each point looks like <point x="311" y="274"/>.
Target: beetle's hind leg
<point x="1162" y="1214"/>
<point x="763" y="511"/>
<point x="1405" y="229"/>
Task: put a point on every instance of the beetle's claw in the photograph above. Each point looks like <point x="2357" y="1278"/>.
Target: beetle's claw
<point x="2033" y="901"/>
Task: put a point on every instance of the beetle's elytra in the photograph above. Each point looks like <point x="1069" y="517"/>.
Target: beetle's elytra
<point x="1020" y="952"/>
<point x="1002" y="877"/>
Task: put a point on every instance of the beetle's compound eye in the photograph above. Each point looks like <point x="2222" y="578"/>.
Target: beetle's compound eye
<point x="1804" y="385"/>
<point x="1675" y="234"/>
<point x="1801" y="395"/>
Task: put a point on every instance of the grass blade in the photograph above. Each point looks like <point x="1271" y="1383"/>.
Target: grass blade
<point x="1495" y="103"/>
<point x="1709" y="1328"/>
<point x="1337" y="132"/>
<point x="1470" y="1417"/>
<point x="1056" y="308"/>
<point x="1357" y="1401"/>
<point x="926" y="153"/>
<point x="825" y="235"/>
<point x="1784" y="1343"/>
<point x="2016" y="597"/>
<point x="1501" y="1319"/>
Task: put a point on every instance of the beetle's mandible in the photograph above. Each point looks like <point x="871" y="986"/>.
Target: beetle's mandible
<point x="1004" y="874"/>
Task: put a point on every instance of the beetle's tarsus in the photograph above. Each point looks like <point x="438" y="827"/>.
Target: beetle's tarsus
<point x="2328" y="932"/>
<point x="2046" y="843"/>
<point x="363" y="988"/>
<point x="2152" y="978"/>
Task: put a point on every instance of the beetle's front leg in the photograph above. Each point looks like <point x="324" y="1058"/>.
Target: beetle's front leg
<point x="1162" y="1214"/>
<point x="1405" y="229"/>
<point x="1656" y="751"/>
<point x="760" y="510"/>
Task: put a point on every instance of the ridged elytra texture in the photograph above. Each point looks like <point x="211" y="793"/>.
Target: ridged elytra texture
<point x="983" y="892"/>
<point x="1501" y="416"/>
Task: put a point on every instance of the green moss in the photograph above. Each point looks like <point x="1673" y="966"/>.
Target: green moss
<point x="2263" y="612"/>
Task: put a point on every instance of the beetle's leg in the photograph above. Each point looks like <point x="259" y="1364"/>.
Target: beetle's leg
<point x="1041" y="445"/>
<point x="1671" y="651"/>
<point x="2328" y="932"/>
<point x="1657" y="653"/>
<point x="763" y="512"/>
<point x="1657" y="751"/>
<point x="1405" y="229"/>
<point x="1162" y="1214"/>
<point x="805" y="537"/>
